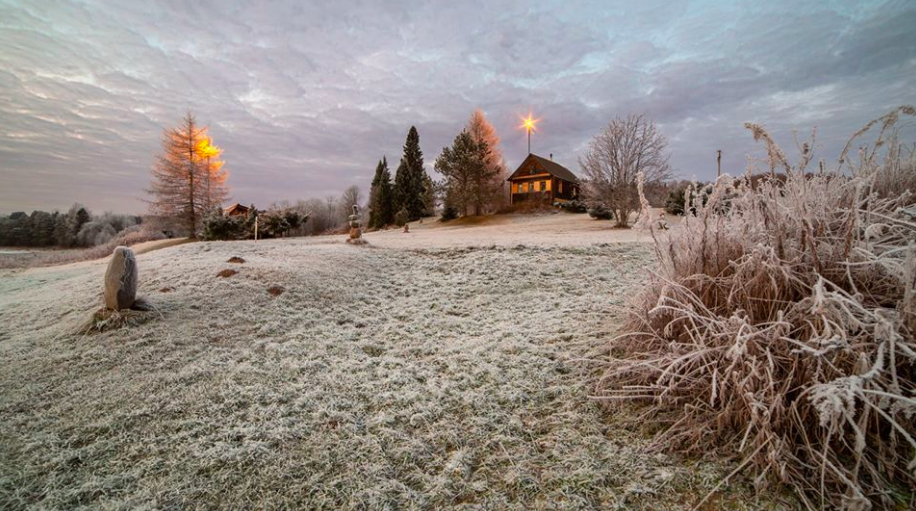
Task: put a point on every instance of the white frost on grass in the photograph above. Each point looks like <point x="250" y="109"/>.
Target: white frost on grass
<point x="380" y="379"/>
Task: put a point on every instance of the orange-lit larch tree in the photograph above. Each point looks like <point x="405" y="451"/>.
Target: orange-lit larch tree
<point x="215" y="189"/>
<point x="181" y="174"/>
<point x="489" y="184"/>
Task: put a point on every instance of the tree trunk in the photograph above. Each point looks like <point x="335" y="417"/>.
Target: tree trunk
<point x="192" y="217"/>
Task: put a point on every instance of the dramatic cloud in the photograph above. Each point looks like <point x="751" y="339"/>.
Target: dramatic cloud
<point x="305" y="97"/>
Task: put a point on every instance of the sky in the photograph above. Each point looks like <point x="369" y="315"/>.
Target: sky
<point x="305" y="97"/>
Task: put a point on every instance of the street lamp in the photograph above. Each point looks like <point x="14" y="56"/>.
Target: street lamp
<point x="528" y="123"/>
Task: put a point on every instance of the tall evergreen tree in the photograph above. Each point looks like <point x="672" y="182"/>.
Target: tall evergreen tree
<point x="461" y="165"/>
<point x="409" y="181"/>
<point x="381" y="197"/>
<point x="42" y="229"/>
<point x="429" y="195"/>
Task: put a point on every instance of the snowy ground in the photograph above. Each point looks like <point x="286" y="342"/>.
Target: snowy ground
<point x="385" y="377"/>
<point x="556" y="230"/>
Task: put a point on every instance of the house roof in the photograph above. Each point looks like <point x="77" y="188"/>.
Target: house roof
<point x="236" y="207"/>
<point x="551" y="167"/>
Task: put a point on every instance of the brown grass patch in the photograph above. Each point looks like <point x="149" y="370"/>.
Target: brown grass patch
<point x="226" y="273"/>
<point x="276" y="290"/>
<point x="236" y="260"/>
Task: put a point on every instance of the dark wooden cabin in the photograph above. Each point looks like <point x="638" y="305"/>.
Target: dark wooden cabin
<point x="544" y="180"/>
<point x="237" y="210"/>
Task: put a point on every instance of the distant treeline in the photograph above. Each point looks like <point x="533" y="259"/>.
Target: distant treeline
<point x="76" y="228"/>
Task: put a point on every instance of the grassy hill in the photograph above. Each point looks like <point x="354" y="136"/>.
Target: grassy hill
<point x="379" y="377"/>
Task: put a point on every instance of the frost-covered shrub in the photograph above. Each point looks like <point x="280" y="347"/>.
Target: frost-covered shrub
<point x="102" y="229"/>
<point x="600" y="213"/>
<point x="780" y="329"/>
<point x="677" y="198"/>
<point x="573" y="206"/>
<point x="95" y="233"/>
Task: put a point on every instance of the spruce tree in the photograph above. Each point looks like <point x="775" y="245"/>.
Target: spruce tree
<point x="461" y="165"/>
<point x="381" y="200"/>
<point x="409" y="181"/>
<point x="429" y="196"/>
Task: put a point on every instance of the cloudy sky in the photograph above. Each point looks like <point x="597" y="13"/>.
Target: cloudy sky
<point x="305" y="96"/>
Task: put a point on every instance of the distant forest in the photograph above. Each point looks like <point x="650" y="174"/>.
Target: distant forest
<point x="76" y="228"/>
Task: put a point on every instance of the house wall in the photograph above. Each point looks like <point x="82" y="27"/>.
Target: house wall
<point x="538" y="187"/>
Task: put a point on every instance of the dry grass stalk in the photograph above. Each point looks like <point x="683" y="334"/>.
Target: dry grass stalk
<point x="780" y="330"/>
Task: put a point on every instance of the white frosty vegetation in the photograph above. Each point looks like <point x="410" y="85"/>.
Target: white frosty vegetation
<point x="780" y="328"/>
<point x="379" y="379"/>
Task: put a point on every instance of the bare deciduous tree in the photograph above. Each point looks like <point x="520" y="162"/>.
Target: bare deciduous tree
<point x="349" y="197"/>
<point x="615" y="156"/>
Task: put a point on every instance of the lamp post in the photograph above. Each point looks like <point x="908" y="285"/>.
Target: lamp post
<point x="718" y="163"/>
<point x="529" y="124"/>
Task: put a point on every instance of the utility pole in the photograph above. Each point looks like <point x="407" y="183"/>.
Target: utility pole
<point x="719" y="163"/>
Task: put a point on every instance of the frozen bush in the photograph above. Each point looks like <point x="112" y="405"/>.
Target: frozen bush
<point x="102" y="229"/>
<point x="600" y="213"/>
<point x="780" y="329"/>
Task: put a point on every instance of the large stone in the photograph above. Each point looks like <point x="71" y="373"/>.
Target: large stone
<point x="121" y="280"/>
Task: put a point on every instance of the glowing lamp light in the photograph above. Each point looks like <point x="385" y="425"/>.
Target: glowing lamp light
<point x="529" y="124"/>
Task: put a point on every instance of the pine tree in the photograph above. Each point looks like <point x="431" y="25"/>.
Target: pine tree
<point x="460" y="165"/>
<point x="381" y="200"/>
<point x="410" y="178"/>
<point x="42" y="229"/>
<point x="182" y="174"/>
<point x="429" y="195"/>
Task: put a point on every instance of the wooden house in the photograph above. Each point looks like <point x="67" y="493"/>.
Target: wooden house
<point x="237" y="210"/>
<point x="544" y="180"/>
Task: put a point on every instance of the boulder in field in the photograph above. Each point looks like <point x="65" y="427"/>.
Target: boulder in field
<point x="121" y="280"/>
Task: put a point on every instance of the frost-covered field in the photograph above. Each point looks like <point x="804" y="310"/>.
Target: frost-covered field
<point x="382" y="378"/>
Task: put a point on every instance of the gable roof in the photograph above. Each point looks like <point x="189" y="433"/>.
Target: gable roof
<point x="551" y="167"/>
<point x="236" y="207"/>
